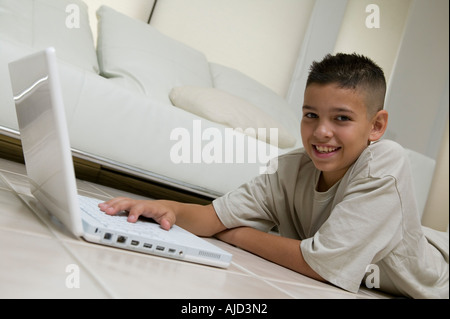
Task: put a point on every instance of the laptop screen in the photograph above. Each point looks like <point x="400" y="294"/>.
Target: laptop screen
<point x="45" y="141"/>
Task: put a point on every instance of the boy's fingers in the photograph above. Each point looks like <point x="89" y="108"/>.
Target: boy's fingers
<point x="134" y="213"/>
<point x="116" y="205"/>
<point x="135" y="208"/>
<point x="132" y="218"/>
<point x="112" y="201"/>
<point x="166" y="223"/>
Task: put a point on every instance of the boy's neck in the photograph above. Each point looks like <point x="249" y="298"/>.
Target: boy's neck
<point x="326" y="182"/>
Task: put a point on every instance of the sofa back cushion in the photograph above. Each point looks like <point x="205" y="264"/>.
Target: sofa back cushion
<point x="241" y="85"/>
<point x="63" y="24"/>
<point x="140" y="57"/>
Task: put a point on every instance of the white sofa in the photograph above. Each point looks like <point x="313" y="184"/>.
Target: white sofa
<point x="120" y="96"/>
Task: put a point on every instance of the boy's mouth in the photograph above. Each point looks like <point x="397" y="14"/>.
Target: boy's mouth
<point x="324" y="149"/>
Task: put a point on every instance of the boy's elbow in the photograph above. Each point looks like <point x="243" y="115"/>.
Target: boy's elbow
<point x="203" y="221"/>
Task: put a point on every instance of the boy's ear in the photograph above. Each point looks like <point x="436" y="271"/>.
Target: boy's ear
<point x="379" y="125"/>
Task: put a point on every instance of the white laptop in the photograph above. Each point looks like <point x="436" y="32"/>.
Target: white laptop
<point x="48" y="158"/>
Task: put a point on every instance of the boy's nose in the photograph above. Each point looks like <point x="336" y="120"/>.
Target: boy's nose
<point x="323" y="130"/>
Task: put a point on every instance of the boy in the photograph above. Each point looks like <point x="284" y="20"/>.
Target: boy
<point x="341" y="203"/>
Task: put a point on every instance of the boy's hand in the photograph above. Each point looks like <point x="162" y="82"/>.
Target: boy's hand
<point x="200" y="220"/>
<point x="157" y="210"/>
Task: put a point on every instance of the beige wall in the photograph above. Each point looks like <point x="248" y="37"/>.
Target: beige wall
<point x="381" y="44"/>
<point x="261" y="38"/>
<point x="436" y="211"/>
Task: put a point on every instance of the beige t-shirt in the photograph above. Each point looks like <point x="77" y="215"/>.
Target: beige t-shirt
<point x="369" y="217"/>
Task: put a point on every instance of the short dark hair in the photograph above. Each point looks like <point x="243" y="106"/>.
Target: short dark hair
<point x="352" y="71"/>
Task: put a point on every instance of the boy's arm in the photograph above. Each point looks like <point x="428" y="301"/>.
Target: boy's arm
<point x="198" y="219"/>
<point x="203" y="221"/>
<point x="280" y="250"/>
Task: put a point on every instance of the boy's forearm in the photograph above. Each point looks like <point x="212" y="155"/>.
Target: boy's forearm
<point x="201" y="220"/>
<point x="281" y="250"/>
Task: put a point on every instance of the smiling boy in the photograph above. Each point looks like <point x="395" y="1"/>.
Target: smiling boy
<point x="341" y="203"/>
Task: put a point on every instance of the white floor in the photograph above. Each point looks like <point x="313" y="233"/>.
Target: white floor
<point x="39" y="259"/>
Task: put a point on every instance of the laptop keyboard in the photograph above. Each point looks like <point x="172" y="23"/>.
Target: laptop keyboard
<point x="119" y="222"/>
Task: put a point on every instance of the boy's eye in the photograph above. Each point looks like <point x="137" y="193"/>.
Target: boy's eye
<point x="343" y="118"/>
<point x="310" y="115"/>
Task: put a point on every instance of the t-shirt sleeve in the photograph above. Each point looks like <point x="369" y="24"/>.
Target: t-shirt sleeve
<point x="360" y="231"/>
<point x="249" y="205"/>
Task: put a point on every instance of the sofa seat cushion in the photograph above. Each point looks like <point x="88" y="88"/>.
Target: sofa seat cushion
<point x="140" y="135"/>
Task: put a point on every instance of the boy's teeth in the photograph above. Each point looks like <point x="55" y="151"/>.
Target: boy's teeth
<point x="325" y="149"/>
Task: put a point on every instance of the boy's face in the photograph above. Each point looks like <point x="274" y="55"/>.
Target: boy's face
<point x="336" y="128"/>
